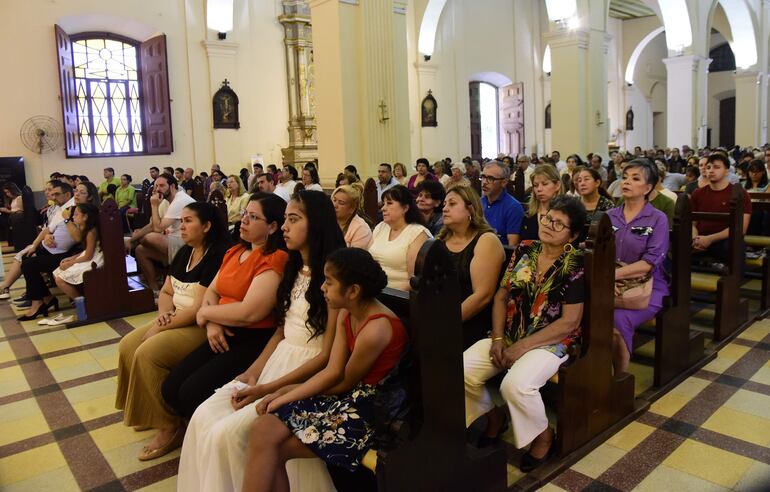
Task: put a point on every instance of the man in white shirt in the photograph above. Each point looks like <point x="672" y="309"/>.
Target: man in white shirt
<point x="164" y="239"/>
<point x="385" y="180"/>
<point x="58" y="240"/>
<point x="287" y="182"/>
<point x="556" y="158"/>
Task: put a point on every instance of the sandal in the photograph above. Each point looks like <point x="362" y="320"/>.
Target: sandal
<point x="5" y="294"/>
<point x="176" y="440"/>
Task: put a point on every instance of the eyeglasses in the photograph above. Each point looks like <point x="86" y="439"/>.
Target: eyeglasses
<point x="554" y="224"/>
<point x="252" y="217"/>
<point x="489" y="179"/>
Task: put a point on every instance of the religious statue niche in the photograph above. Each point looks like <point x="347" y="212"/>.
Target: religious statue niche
<point x="429" y="107"/>
<point x="548" y="116"/>
<point x="226" y="107"/>
<point x="630" y="119"/>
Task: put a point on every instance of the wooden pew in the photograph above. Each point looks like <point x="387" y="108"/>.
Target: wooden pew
<point x="760" y="266"/>
<point x="106" y="289"/>
<point x="24" y="228"/>
<point x="197" y="190"/>
<point x="676" y="348"/>
<point x="731" y="311"/>
<point x="517" y="187"/>
<point x="426" y="449"/>
<point x="371" y="204"/>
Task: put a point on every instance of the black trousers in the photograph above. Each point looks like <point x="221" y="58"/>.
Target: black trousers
<point x="32" y="268"/>
<point x="194" y="379"/>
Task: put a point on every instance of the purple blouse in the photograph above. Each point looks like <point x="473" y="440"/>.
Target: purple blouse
<point x="645" y="238"/>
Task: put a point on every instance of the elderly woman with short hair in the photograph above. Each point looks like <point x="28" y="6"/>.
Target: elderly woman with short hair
<point x="536" y="318"/>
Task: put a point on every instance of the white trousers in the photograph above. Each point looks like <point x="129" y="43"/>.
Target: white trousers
<point x="520" y="388"/>
<point x="214" y="450"/>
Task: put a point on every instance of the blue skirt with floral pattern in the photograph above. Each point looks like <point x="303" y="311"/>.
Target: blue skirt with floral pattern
<point x="337" y="428"/>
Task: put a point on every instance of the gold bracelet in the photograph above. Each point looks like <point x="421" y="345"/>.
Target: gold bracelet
<point x="496" y="339"/>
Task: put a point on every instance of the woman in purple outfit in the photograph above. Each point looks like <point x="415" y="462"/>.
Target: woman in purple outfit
<point x="641" y="244"/>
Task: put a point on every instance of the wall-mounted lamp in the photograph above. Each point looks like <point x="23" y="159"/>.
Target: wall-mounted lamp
<point x="219" y="17"/>
<point x="426" y="57"/>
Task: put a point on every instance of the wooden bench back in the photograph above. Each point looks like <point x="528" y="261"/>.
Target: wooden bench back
<point x="197" y="190"/>
<point x="217" y="199"/>
<point x="371" y="204"/>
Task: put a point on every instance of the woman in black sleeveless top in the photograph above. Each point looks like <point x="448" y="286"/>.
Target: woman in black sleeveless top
<point x="478" y="256"/>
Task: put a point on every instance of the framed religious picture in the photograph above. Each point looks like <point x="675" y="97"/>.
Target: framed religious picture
<point x="226" y="107"/>
<point x="429" y="106"/>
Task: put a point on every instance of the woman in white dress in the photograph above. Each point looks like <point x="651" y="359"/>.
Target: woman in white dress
<point x="214" y="449"/>
<point x="398" y="238"/>
<point x="69" y="275"/>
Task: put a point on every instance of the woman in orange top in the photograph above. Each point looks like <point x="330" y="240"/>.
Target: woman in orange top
<point x="237" y="311"/>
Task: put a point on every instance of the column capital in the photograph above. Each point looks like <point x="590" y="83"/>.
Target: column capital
<point x="693" y="62"/>
<point x="565" y="39"/>
<point x="220" y="49"/>
<point x="426" y="68"/>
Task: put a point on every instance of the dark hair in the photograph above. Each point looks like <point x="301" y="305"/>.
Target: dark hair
<point x="387" y="166"/>
<point x="718" y="156"/>
<point x="181" y="170"/>
<point x="169" y="170"/>
<point x="272" y="168"/>
<point x="127" y="176"/>
<point x="757" y="165"/>
<point x="11" y="186"/>
<point x="208" y="213"/>
<point x="402" y="195"/>
<point x="83" y="178"/>
<point x="154" y="167"/>
<point x="573" y="208"/>
<point x="170" y="179"/>
<point x="422" y="160"/>
<point x="110" y="170"/>
<point x="313" y="174"/>
<point x="111" y="189"/>
<point x="352" y="169"/>
<point x="55" y="175"/>
<point x="692" y="171"/>
<point x="93" y="193"/>
<point x="310" y="164"/>
<point x="203" y="174"/>
<point x="220" y="173"/>
<point x="578" y="160"/>
<point x="596" y="177"/>
<point x="324" y="236"/>
<point x="434" y="188"/>
<point x="92" y="222"/>
<point x="274" y="209"/>
<point x="356" y="266"/>
<point x="292" y="171"/>
<point x="65" y="187"/>
<point x="649" y="170"/>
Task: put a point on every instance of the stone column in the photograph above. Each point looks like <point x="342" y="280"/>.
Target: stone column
<point x="747" y="108"/>
<point x="571" y="108"/>
<point x="687" y="92"/>
<point x="298" y="39"/>
<point x="222" y="65"/>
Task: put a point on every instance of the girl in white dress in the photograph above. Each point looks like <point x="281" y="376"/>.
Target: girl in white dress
<point x="214" y="449"/>
<point x="69" y="275"/>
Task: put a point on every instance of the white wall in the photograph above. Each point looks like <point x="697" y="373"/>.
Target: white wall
<point x="27" y="44"/>
<point x="648" y="96"/>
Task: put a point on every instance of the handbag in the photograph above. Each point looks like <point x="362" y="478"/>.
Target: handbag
<point x="634" y="293"/>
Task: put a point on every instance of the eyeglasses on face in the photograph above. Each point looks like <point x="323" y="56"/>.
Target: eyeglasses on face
<point x="251" y="216"/>
<point x="554" y="224"/>
<point x="490" y="179"/>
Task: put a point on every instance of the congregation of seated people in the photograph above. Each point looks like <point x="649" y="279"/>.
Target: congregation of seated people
<point x="269" y="333"/>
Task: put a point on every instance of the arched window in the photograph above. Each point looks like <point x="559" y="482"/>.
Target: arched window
<point x="115" y="99"/>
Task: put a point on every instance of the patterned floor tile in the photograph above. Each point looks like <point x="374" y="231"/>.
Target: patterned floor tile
<point x="630" y="436"/>
<point x="30" y="463"/>
<point x="12" y="381"/>
<point x="123" y="459"/>
<point x="750" y="402"/>
<point x="98" y="332"/>
<point x="599" y="460"/>
<point x="664" y="478"/>
<point x="90" y="391"/>
<point x="6" y="353"/>
<point x="709" y="463"/>
<point x="58" y="480"/>
<point x="95" y="408"/>
<point x="118" y="435"/>
<point x="140" y="319"/>
<point x="106" y="356"/>
<point x="71" y="366"/>
<point x="762" y="376"/>
<point x="756" y="332"/>
<point x="756" y="479"/>
<point x="58" y="340"/>
<point x="740" y="425"/>
<point x="167" y="485"/>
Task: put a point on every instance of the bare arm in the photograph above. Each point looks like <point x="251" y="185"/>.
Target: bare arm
<point x="88" y="255"/>
<point x="254" y="307"/>
<point x="634" y="270"/>
<point x="488" y="256"/>
<point x="413" y="251"/>
<point x="513" y="240"/>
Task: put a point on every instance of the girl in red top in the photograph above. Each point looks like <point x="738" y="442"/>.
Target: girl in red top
<point x="331" y="415"/>
<point x="238" y="308"/>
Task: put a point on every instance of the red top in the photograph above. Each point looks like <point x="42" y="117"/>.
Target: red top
<point x="707" y="200"/>
<point x="234" y="277"/>
<point x="392" y="353"/>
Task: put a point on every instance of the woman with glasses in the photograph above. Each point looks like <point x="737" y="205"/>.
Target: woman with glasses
<point x="641" y="245"/>
<point x="546" y="186"/>
<point x="148" y="353"/>
<point x="536" y="316"/>
<point x="238" y="316"/>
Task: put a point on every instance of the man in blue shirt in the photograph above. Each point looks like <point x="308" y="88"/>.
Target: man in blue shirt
<point x="503" y="212"/>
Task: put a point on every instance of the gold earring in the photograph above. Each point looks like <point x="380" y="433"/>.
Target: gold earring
<point x="568" y="248"/>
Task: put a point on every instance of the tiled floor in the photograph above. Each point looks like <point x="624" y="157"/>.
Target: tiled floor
<point x="59" y="429"/>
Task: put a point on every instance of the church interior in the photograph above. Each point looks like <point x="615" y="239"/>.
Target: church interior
<point x="364" y="82"/>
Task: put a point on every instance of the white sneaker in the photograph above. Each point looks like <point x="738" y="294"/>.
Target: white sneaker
<point x="61" y="320"/>
<point x="5" y="294"/>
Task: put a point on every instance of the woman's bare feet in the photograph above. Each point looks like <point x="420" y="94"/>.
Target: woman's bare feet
<point x="165" y="441"/>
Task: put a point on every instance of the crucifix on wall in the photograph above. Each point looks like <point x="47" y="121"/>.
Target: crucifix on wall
<point x="225" y="103"/>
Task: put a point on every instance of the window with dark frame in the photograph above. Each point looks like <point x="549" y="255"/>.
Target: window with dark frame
<point x="114" y="92"/>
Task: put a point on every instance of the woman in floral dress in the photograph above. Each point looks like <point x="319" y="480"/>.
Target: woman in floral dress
<point x="331" y="415"/>
<point x="535" y="321"/>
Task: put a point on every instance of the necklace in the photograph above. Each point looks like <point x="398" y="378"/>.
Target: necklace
<point x="305" y="269"/>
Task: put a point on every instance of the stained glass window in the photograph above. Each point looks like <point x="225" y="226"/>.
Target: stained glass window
<point x="108" y="96"/>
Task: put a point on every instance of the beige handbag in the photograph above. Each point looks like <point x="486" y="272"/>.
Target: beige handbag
<point x="635" y="293"/>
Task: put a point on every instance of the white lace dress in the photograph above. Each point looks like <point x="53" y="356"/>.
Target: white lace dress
<point x="74" y="274"/>
<point x="214" y="449"/>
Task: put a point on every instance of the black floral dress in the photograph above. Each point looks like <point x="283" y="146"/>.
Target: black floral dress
<point x="340" y="428"/>
<point x="531" y="305"/>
